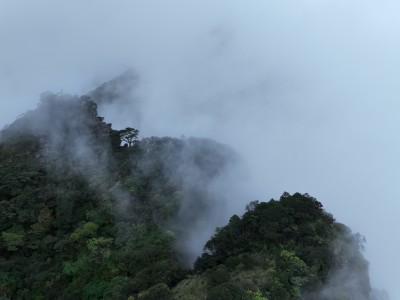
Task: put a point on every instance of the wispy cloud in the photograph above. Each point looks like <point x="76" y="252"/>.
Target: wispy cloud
<point x="306" y="91"/>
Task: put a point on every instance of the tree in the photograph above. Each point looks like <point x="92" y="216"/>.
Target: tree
<point x="44" y="221"/>
<point x="256" y="295"/>
<point x="12" y="240"/>
<point x="129" y="135"/>
<point x="160" y="291"/>
<point x="227" y="291"/>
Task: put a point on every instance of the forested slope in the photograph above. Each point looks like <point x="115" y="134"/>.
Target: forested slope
<point x="90" y="212"/>
<point x="288" y="249"/>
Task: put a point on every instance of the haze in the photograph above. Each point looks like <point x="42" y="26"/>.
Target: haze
<point x="306" y="91"/>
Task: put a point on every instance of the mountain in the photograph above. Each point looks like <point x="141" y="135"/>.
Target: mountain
<point x="91" y="212"/>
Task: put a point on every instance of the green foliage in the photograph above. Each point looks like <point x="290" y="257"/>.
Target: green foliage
<point x="81" y="265"/>
<point x="95" y="289"/>
<point x="87" y="230"/>
<point x="12" y="240"/>
<point x="218" y="275"/>
<point x="227" y="291"/>
<point x="295" y="270"/>
<point x="83" y="218"/>
<point x="257" y="295"/>
<point x="294" y="240"/>
<point x="63" y="225"/>
<point x="160" y="291"/>
<point x="43" y="223"/>
<point x="277" y="290"/>
<point x="99" y="248"/>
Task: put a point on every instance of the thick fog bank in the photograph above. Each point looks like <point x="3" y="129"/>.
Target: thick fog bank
<point x="305" y="91"/>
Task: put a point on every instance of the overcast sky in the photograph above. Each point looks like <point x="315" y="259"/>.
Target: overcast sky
<point x="307" y="91"/>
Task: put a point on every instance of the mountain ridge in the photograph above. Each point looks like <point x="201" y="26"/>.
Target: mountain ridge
<point x="85" y="215"/>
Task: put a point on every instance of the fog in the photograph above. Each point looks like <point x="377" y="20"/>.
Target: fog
<point x="306" y="91"/>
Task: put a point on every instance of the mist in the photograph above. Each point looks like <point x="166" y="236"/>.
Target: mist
<point x="306" y="91"/>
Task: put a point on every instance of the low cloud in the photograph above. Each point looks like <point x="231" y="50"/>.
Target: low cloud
<point x="305" y="92"/>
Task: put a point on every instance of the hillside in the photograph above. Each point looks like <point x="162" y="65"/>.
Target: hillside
<point x="91" y="212"/>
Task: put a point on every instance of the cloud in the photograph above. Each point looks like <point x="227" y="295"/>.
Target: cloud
<point x="306" y="91"/>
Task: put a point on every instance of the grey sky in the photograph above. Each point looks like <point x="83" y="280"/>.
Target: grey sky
<point x="307" y="91"/>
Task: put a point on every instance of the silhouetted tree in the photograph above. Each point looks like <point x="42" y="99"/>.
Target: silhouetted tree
<point x="129" y="135"/>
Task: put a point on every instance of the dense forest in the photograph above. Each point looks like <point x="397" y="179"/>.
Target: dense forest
<point x="91" y="212"/>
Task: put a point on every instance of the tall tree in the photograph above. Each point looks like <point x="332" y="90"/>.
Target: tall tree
<point x="129" y="135"/>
